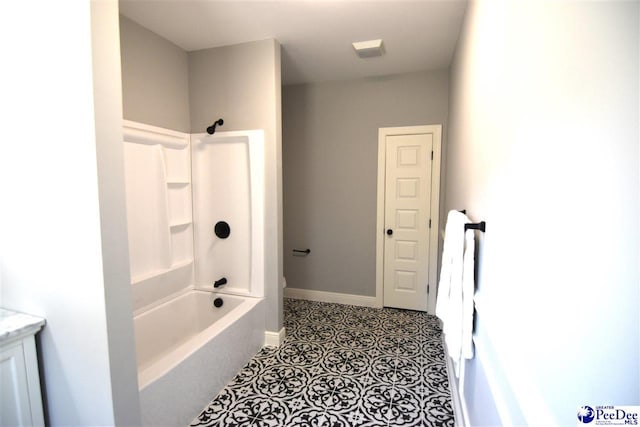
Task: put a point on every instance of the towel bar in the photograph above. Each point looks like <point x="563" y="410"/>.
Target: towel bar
<point x="477" y="226"/>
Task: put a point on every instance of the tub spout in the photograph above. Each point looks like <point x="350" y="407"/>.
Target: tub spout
<point x="220" y="282"/>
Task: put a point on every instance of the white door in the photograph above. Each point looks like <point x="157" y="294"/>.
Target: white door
<point x="407" y="218"/>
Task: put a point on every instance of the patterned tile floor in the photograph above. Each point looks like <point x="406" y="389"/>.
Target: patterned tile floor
<point x="341" y="365"/>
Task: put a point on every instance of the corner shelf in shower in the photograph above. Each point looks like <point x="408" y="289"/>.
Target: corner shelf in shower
<point x="178" y="183"/>
<point x="180" y="224"/>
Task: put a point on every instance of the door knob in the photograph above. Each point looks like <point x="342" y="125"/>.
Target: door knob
<point x="389" y="232"/>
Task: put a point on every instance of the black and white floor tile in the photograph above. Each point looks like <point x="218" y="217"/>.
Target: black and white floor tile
<point x="341" y="365"/>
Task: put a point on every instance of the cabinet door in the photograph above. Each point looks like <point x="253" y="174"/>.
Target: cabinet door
<point x="14" y="389"/>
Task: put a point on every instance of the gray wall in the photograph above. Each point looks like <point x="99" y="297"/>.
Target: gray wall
<point x="544" y="146"/>
<point x="63" y="248"/>
<point x="330" y="160"/>
<point x="241" y="84"/>
<point x="154" y="78"/>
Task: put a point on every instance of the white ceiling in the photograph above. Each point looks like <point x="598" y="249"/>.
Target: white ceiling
<point x="315" y="35"/>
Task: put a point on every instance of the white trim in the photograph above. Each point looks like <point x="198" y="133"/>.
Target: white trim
<point x="334" y="297"/>
<point x="436" y="130"/>
<point x="274" y="339"/>
<point x="140" y="133"/>
<point x="435" y="217"/>
<point x="380" y="221"/>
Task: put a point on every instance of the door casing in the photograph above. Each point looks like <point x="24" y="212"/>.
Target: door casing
<point x="383" y="133"/>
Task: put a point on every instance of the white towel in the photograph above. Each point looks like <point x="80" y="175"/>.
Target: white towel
<point x="454" y="304"/>
<point x="468" y="290"/>
<point x="449" y="302"/>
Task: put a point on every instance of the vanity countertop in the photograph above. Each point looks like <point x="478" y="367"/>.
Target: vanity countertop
<point x="14" y="324"/>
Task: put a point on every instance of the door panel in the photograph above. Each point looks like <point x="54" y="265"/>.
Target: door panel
<point x="407" y="214"/>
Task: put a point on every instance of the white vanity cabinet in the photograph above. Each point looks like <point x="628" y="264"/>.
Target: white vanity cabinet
<point x="20" y="397"/>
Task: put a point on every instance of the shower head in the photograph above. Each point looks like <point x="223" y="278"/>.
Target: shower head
<point x="212" y="129"/>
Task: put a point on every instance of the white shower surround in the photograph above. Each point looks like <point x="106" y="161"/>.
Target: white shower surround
<point x="238" y="158"/>
<point x="158" y="194"/>
<point x="170" y="216"/>
<point x="187" y="350"/>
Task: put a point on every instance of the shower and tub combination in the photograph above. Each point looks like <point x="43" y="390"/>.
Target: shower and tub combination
<point x="195" y="213"/>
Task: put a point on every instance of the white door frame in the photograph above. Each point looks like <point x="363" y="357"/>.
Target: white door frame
<point x="436" y="130"/>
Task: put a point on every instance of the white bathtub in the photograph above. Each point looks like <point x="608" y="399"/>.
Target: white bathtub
<point x="187" y="351"/>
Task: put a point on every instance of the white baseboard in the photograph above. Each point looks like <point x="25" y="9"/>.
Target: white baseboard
<point x="334" y="297"/>
<point x="274" y="339"/>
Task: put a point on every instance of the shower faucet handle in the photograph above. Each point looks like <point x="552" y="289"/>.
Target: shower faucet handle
<point x="220" y="282"/>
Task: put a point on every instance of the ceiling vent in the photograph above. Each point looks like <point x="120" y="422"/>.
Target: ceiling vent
<point x="369" y="48"/>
